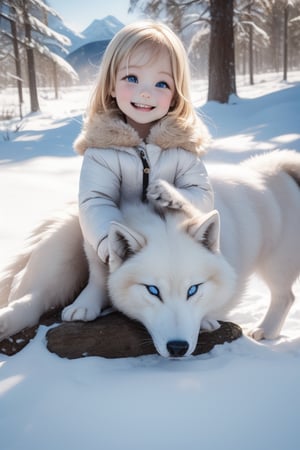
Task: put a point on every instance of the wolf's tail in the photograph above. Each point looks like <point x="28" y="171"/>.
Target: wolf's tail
<point x="52" y="255"/>
<point x="19" y="262"/>
<point x="277" y="161"/>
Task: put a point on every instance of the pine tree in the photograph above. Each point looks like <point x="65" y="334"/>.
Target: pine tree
<point x="29" y="20"/>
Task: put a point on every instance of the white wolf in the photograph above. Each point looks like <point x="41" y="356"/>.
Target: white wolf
<point x="177" y="270"/>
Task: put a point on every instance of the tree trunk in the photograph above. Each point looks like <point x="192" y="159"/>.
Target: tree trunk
<point x="251" y="79"/>
<point x="221" y="52"/>
<point x="285" y="41"/>
<point x="276" y="36"/>
<point x="17" y="63"/>
<point x="34" y="103"/>
<point x="55" y="80"/>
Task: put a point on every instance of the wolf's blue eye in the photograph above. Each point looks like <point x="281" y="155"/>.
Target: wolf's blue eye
<point x="192" y="290"/>
<point x="153" y="290"/>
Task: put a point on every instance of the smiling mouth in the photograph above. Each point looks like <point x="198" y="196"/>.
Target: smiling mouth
<point x="142" y="107"/>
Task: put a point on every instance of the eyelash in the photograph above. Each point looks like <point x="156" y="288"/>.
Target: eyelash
<point x="134" y="79"/>
<point x="131" y="76"/>
<point x="166" y="86"/>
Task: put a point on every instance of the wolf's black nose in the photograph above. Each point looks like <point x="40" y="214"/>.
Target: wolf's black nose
<point x="177" y="348"/>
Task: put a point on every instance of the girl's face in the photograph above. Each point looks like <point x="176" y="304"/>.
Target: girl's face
<point x="144" y="89"/>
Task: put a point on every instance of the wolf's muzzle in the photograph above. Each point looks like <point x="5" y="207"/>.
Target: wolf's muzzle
<point x="177" y="348"/>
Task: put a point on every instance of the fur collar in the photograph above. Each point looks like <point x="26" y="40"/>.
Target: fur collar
<point x="110" y="131"/>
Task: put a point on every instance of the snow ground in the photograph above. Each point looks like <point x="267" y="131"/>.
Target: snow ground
<point x="243" y="395"/>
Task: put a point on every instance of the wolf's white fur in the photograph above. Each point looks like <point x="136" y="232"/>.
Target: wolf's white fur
<point x="173" y="271"/>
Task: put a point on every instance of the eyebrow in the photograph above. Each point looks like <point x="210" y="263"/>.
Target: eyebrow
<point x="166" y="73"/>
<point x="132" y="67"/>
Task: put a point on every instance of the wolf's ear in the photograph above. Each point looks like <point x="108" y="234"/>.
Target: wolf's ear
<point x="206" y="230"/>
<point x="123" y="242"/>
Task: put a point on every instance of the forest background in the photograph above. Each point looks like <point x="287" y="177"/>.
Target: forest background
<point x="223" y="39"/>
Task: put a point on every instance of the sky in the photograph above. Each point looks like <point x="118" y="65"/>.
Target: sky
<point x="78" y="15"/>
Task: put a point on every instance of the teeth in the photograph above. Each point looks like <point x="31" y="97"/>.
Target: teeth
<point x="141" y="105"/>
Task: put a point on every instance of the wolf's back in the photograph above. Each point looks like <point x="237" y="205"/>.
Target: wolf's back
<point x="272" y="163"/>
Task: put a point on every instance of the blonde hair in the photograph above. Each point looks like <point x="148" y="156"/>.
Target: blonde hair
<point x="156" y="36"/>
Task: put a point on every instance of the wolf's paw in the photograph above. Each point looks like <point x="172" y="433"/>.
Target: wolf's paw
<point x="257" y="334"/>
<point x="261" y="332"/>
<point x="163" y="194"/>
<point x="210" y="325"/>
<point x="72" y="313"/>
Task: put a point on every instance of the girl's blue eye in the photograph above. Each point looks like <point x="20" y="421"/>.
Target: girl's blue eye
<point x="131" y="79"/>
<point x="192" y="290"/>
<point x="162" y="84"/>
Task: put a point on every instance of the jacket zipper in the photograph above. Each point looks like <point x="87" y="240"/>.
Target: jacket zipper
<point x="146" y="171"/>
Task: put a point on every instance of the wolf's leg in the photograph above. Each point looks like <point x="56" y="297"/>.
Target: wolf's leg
<point x="270" y="326"/>
<point x="280" y="269"/>
<point x="93" y="297"/>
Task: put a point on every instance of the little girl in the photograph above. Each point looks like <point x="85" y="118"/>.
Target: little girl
<point x="140" y="129"/>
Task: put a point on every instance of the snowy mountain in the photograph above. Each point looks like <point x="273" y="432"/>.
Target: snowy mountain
<point x="86" y="60"/>
<point x="77" y="39"/>
<point x="99" y="30"/>
<point x="87" y="47"/>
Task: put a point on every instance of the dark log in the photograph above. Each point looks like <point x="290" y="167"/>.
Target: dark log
<point x="116" y="336"/>
<point x="110" y="336"/>
<point x="18" y="341"/>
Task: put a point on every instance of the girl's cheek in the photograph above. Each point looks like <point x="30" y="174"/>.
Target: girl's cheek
<point x="127" y="90"/>
<point x="166" y="101"/>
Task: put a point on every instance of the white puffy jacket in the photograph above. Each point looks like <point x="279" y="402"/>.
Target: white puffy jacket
<point x="113" y="170"/>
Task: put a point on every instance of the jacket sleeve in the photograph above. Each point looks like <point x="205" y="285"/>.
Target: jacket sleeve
<point x="192" y="181"/>
<point x="99" y="197"/>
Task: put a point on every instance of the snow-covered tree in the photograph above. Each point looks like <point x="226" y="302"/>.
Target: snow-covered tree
<point x="289" y="19"/>
<point x="4" y="49"/>
<point x="283" y="30"/>
<point x="250" y="33"/>
<point x="29" y="18"/>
